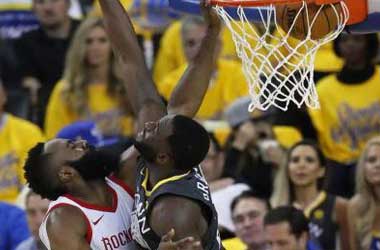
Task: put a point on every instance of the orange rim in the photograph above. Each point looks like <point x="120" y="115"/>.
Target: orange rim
<point x="258" y="3"/>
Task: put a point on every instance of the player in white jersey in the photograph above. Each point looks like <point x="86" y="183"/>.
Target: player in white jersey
<point x="108" y="227"/>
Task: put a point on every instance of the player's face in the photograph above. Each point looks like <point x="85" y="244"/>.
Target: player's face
<point x="372" y="165"/>
<point x="304" y="167"/>
<point x="248" y="217"/>
<point x="83" y="159"/>
<point x="63" y="150"/>
<point x="51" y="13"/>
<point x="98" y="48"/>
<point x="279" y="237"/>
<point x="36" y="208"/>
<point x="353" y="48"/>
<point x="153" y="138"/>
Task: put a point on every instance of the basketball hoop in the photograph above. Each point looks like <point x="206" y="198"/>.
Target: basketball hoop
<point x="278" y="68"/>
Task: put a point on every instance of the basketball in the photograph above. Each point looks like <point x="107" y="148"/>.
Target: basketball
<point x="326" y="20"/>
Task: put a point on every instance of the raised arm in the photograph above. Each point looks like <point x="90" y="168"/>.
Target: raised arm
<point x="187" y="97"/>
<point x="143" y="96"/>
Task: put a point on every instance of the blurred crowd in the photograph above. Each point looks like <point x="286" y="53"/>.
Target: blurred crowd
<point x="60" y="78"/>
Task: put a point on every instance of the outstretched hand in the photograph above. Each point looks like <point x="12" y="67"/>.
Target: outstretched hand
<point x="187" y="243"/>
<point x="210" y="16"/>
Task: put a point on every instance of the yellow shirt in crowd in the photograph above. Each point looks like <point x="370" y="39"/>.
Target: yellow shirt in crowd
<point x="100" y="104"/>
<point x="348" y="117"/>
<point x="171" y="54"/>
<point x="17" y="136"/>
<point x="227" y="85"/>
<point x="234" y="244"/>
<point x="325" y="59"/>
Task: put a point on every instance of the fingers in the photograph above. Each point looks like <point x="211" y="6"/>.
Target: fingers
<point x="188" y="243"/>
<point x="169" y="236"/>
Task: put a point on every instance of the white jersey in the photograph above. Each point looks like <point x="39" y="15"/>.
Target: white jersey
<point x="108" y="228"/>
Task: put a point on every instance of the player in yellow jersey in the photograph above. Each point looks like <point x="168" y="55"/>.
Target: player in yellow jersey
<point x="17" y="136"/>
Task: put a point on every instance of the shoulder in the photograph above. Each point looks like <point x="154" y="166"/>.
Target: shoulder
<point x="326" y="83"/>
<point x="354" y="202"/>
<point x="377" y="71"/>
<point x="60" y="85"/>
<point x="9" y="210"/>
<point x="58" y="90"/>
<point x="341" y="202"/>
<point x="65" y="217"/>
<point x="30" y="35"/>
<point x="340" y="207"/>
<point x="22" y="124"/>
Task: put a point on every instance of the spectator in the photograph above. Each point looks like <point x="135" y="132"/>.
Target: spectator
<point x="14" y="228"/>
<point x="17" y="136"/>
<point x="89" y="131"/>
<point x="212" y="166"/>
<point x="364" y="215"/>
<point x="41" y="52"/>
<point x="248" y="211"/>
<point x="172" y="55"/>
<point x="150" y="19"/>
<point x="36" y="208"/>
<point x="17" y="103"/>
<point x="91" y="88"/>
<point x="299" y="183"/>
<point x="223" y="190"/>
<point x="286" y="228"/>
<point x="350" y="109"/>
<point x="224" y="87"/>
<point x="252" y="153"/>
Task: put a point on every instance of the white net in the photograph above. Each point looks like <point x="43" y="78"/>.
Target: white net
<point x="280" y="69"/>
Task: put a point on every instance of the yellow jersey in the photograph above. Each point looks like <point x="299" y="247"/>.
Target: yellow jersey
<point x="100" y="105"/>
<point x="171" y="53"/>
<point x="325" y="59"/>
<point x="17" y="136"/>
<point x="227" y="85"/>
<point x="348" y="117"/>
<point x="234" y="244"/>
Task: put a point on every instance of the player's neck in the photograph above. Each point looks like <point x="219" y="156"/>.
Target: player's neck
<point x="158" y="173"/>
<point x="93" y="192"/>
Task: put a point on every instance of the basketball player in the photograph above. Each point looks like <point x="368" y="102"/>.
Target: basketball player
<point x="171" y="192"/>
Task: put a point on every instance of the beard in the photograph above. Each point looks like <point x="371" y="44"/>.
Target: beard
<point x="145" y="150"/>
<point x="95" y="164"/>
